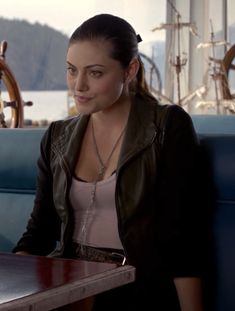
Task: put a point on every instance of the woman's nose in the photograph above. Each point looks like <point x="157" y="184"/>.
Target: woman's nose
<point x="81" y="83"/>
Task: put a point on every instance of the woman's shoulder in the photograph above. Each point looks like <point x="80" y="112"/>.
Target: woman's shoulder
<point x="163" y="113"/>
<point x="67" y="125"/>
<point x="176" y="114"/>
<point x="57" y="129"/>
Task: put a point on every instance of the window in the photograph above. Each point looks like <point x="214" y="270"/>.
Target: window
<point x="144" y="15"/>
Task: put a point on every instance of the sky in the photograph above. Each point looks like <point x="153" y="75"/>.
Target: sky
<point x="66" y="15"/>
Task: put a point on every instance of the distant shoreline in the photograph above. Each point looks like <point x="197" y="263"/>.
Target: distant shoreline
<point x="47" y="105"/>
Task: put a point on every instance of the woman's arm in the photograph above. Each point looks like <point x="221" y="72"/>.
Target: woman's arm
<point x="189" y="293"/>
<point x="184" y="222"/>
<point x="43" y="227"/>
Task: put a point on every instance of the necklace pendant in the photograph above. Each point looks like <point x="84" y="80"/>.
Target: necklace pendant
<point x="101" y="171"/>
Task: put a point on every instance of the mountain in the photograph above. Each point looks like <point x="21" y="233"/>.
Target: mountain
<point x="36" y="54"/>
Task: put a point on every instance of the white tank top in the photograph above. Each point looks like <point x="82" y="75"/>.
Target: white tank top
<point x="101" y="223"/>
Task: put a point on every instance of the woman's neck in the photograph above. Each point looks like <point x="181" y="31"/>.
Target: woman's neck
<point x="115" y="116"/>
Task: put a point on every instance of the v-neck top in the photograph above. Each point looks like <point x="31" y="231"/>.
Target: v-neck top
<point x="101" y="226"/>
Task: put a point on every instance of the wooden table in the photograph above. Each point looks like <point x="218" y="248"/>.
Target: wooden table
<point x="42" y="283"/>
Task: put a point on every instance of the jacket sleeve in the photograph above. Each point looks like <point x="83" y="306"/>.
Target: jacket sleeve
<point x="43" y="228"/>
<point x="183" y="219"/>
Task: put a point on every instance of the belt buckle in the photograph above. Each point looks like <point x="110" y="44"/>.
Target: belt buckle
<point x="119" y="256"/>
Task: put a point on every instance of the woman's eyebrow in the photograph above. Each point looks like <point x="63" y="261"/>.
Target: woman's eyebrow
<point x="70" y="64"/>
<point x="88" y="66"/>
<point x="94" y="65"/>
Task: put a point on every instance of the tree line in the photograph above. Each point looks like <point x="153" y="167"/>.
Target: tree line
<point x="36" y="54"/>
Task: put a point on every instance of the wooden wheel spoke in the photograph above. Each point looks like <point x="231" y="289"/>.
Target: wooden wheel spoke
<point x="228" y="65"/>
<point x="232" y="67"/>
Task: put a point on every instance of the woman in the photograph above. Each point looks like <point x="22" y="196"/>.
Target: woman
<point x="120" y="177"/>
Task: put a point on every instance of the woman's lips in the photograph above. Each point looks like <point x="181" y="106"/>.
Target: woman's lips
<point x="82" y="99"/>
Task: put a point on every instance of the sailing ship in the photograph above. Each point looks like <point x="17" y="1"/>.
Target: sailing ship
<point x="217" y="72"/>
<point x="179" y="61"/>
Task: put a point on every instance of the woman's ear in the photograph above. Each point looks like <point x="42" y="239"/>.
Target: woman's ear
<point x="132" y="70"/>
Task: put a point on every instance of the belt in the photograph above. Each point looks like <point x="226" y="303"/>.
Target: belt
<point x="90" y="253"/>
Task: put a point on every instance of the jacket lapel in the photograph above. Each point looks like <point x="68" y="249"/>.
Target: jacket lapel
<point x="141" y="129"/>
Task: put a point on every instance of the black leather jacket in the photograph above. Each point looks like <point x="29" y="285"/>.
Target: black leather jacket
<point x="156" y="200"/>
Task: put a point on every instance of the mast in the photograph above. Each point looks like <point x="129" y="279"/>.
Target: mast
<point x="179" y="61"/>
<point x="214" y="68"/>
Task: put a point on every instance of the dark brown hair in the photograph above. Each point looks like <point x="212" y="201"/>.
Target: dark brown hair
<point x="123" y="38"/>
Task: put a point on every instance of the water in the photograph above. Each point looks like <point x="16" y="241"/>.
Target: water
<point x="47" y="105"/>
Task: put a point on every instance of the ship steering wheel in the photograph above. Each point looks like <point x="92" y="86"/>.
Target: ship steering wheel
<point x="229" y="72"/>
<point x="14" y="102"/>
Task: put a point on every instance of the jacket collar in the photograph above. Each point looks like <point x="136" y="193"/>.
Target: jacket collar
<point x="72" y="139"/>
<point x="141" y="128"/>
<point x="140" y="132"/>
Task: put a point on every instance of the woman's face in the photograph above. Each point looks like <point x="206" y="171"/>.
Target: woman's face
<point x="95" y="79"/>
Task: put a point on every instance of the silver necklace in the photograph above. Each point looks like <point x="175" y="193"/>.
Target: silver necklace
<point x="104" y="164"/>
<point x="101" y="172"/>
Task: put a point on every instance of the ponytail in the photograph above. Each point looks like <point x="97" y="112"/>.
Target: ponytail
<point x="141" y="87"/>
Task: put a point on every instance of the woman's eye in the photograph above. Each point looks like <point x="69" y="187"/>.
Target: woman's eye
<point x="96" y="73"/>
<point x="72" y="71"/>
